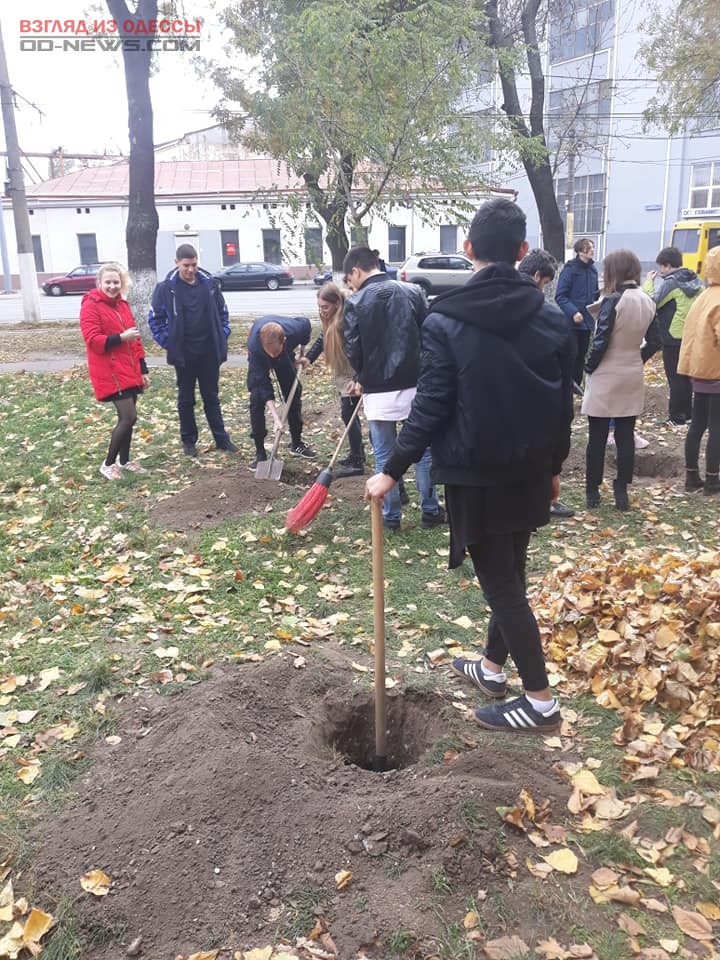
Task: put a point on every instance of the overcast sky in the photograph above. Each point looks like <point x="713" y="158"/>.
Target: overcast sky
<point x="82" y="94"/>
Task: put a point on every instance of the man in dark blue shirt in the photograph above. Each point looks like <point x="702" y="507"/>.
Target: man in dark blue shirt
<point x="189" y="319"/>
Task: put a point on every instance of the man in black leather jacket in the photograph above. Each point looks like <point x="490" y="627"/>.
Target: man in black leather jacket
<point x="381" y="326"/>
<point x="494" y="400"/>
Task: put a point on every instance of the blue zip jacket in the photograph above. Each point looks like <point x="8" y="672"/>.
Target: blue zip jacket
<point x="166" y="324"/>
<point x="297" y="333"/>
<point x="577" y="287"/>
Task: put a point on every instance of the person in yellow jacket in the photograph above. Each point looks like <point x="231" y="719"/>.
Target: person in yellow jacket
<point x="700" y="360"/>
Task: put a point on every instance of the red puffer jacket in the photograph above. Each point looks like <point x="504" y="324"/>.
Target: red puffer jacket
<point x="118" y="368"/>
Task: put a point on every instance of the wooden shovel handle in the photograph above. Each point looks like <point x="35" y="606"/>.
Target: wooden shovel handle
<point x="346" y="431"/>
<point x="378" y="571"/>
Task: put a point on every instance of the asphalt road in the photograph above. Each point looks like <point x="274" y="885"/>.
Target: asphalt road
<point x="299" y="300"/>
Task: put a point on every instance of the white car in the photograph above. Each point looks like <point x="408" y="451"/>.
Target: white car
<point x="436" y="272"/>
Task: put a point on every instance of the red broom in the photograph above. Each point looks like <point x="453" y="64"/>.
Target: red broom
<point x="311" y="504"/>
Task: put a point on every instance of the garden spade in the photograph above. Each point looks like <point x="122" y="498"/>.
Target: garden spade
<point x="272" y="468"/>
<point x="378" y="571"/>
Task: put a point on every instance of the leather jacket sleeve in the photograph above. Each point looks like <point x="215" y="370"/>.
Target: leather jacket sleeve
<point x="316" y="349"/>
<point x="351" y="334"/>
<point x="603" y="332"/>
<point x="653" y="342"/>
<point x="434" y="402"/>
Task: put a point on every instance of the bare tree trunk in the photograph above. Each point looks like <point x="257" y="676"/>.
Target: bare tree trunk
<point x="142" y="226"/>
<point x="539" y="172"/>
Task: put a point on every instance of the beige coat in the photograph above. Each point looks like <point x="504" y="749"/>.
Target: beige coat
<point x="700" y="348"/>
<point x="616" y="387"/>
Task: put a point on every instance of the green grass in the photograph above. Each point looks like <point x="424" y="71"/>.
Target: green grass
<point x="301" y="912"/>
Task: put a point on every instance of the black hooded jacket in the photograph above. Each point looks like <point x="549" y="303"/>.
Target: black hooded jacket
<point x="494" y="397"/>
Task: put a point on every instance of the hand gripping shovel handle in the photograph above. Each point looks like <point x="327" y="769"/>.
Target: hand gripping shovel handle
<point x="265" y="470"/>
<point x="343" y="438"/>
<point x="378" y="571"/>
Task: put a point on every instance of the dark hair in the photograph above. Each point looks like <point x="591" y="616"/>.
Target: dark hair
<point x="538" y="261"/>
<point x="583" y="245"/>
<point x="497" y="231"/>
<point x="619" y="267"/>
<point x="361" y="257"/>
<point x="186" y="251"/>
<point x="669" y="257"/>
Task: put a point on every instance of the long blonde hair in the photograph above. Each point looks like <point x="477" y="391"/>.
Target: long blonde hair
<point x="333" y="344"/>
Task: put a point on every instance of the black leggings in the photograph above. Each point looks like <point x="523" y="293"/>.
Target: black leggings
<point x="598" y="429"/>
<point x="122" y="434"/>
<point x="499" y="561"/>
<point x="705" y="416"/>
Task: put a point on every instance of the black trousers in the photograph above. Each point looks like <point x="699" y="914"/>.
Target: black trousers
<point x="705" y="416"/>
<point x="681" y="392"/>
<point x="285" y="372"/>
<point x="499" y="561"/>
<point x="582" y="342"/>
<point x="347" y="408"/>
<point x="204" y="371"/>
<point x="598" y="429"/>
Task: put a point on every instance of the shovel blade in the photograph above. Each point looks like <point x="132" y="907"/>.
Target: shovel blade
<point x="269" y="469"/>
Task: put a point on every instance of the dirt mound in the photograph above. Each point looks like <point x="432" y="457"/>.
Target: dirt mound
<point x="226" y="811"/>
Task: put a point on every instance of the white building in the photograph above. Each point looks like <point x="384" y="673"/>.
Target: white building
<point x="246" y="209"/>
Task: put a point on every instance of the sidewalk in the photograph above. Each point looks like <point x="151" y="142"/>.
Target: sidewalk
<point x="62" y="363"/>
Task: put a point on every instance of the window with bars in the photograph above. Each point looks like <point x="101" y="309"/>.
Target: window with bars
<point x="588" y="202"/>
<point x="705" y="185"/>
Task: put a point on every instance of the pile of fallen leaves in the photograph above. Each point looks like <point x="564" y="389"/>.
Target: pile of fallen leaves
<point x="637" y="628"/>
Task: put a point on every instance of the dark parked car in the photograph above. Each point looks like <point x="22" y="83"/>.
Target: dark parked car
<point x="79" y="280"/>
<point x="249" y="276"/>
<point x="324" y="275"/>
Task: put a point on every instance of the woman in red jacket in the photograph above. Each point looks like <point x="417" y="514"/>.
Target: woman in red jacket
<point x="116" y="361"/>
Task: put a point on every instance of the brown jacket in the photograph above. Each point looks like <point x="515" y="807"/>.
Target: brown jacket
<point x="700" y="349"/>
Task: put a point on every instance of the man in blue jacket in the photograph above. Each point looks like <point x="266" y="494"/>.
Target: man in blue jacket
<point x="271" y="346"/>
<point x="189" y="319"/>
<point x="494" y="401"/>
<point x="577" y="288"/>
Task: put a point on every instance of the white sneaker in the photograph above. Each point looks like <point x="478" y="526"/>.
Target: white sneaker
<point x="611" y="439"/>
<point x="132" y="466"/>
<point x="641" y="442"/>
<point x="111" y="471"/>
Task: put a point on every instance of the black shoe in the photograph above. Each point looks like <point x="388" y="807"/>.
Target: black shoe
<point x="518" y="716"/>
<point x="303" y="450"/>
<point x="404" y="498"/>
<point x="693" y="481"/>
<point x="228" y="447"/>
<point x="430" y="520"/>
<point x="190" y="450"/>
<point x="673" y="422"/>
<point x="392" y="525"/>
<point x="472" y="670"/>
<point x="560" y="511"/>
<point x="259" y="458"/>
<point x="592" y="497"/>
<point x="352" y="469"/>
<point x="711" y="485"/>
<point x="352" y="461"/>
<point x="621" y="496"/>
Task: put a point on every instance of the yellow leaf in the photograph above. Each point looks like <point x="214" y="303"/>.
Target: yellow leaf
<point x="711" y="911"/>
<point x="12" y="943"/>
<point x="359" y="668"/>
<point x="661" y="875"/>
<point x="36" y="926"/>
<point x="564" y="861"/>
<point x="464" y="622"/>
<point x="343" y="878"/>
<point x="29" y="772"/>
<point x="166" y="653"/>
<point x="6" y="902"/>
<point x="261" y="953"/>
<point x="692" y="924"/>
<point x="470" y="920"/>
<point x="650" y="903"/>
<point x="95" y="882"/>
<point x="47" y="677"/>
<point x="204" y="955"/>
<point x="506" y="948"/>
<point x="587" y="783"/>
<point x="671" y="946"/>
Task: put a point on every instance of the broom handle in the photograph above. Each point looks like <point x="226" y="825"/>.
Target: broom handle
<point x="343" y="438"/>
<point x="378" y="571"/>
<point x="285" y="412"/>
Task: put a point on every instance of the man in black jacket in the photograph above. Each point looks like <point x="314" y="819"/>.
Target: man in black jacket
<point x="189" y="319"/>
<point x="494" y="400"/>
<point x="381" y="327"/>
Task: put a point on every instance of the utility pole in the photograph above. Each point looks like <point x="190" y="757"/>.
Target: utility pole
<point x="16" y="189"/>
<point x="570" y="200"/>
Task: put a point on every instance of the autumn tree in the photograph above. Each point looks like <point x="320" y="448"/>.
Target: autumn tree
<point x="684" y="55"/>
<point x="142" y="225"/>
<point x="359" y="99"/>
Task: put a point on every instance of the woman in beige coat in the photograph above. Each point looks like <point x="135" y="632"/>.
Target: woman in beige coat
<point x="700" y="360"/>
<point x="615" y="386"/>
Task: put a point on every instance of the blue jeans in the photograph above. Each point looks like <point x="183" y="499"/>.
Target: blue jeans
<point x="382" y="438"/>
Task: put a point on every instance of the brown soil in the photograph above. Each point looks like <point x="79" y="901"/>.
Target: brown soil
<point x="226" y="804"/>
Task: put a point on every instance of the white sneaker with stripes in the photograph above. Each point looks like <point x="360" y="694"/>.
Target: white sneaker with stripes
<point x="518" y="716"/>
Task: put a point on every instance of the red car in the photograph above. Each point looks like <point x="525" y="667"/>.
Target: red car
<point x="79" y="280"/>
